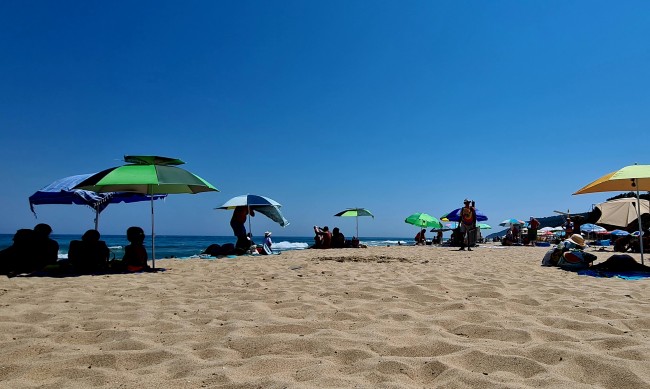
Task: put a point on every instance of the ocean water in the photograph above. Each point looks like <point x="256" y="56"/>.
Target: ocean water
<point x="177" y="246"/>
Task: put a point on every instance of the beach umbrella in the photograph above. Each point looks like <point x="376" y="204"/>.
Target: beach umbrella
<point x="355" y="212"/>
<point x="454" y="216"/>
<point x="423" y="220"/>
<point x="446" y="227"/>
<point x="264" y="205"/>
<point x="588" y="227"/>
<point x="61" y="192"/>
<point x="150" y="175"/>
<point x="622" y="212"/>
<point x="619" y="233"/>
<point x="512" y="222"/>
<point x="484" y="226"/>
<point x="633" y="178"/>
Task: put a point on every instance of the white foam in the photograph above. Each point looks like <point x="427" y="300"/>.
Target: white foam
<point x="284" y="245"/>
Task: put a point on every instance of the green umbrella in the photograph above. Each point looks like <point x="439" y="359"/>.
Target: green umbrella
<point x="484" y="226"/>
<point x="423" y="220"/>
<point x="355" y="212"/>
<point x="147" y="174"/>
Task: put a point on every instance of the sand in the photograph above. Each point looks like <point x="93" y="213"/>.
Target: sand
<point x="382" y="317"/>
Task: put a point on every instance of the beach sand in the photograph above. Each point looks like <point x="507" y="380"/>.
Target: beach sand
<point x="382" y="317"/>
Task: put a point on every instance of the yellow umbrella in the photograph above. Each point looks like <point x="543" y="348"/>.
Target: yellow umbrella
<point x="632" y="178"/>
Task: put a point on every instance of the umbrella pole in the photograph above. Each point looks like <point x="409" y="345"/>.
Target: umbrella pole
<point x="250" y="231"/>
<point x="638" y="216"/>
<point x="153" y="237"/>
<point x="96" y="219"/>
<point x="357" y="226"/>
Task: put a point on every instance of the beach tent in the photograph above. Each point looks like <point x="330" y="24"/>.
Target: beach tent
<point x="61" y="192"/>
<point x="622" y="212"/>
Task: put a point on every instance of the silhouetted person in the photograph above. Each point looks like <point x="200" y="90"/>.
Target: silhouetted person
<point x="135" y="255"/>
<point x="45" y="249"/>
<point x="338" y="239"/>
<point x="15" y="259"/>
<point x="89" y="255"/>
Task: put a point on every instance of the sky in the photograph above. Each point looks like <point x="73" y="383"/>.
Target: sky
<point x="397" y="107"/>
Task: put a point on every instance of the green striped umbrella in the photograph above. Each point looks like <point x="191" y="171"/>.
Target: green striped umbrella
<point x="355" y="212"/>
<point x="149" y="175"/>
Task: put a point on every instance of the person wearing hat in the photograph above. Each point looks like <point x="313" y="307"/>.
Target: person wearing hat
<point x="267" y="239"/>
<point x="571" y="248"/>
<point x="467" y="225"/>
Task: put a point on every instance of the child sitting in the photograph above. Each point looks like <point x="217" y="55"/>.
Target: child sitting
<point x="135" y="255"/>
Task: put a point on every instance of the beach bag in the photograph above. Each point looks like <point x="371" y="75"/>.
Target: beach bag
<point x="264" y="250"/>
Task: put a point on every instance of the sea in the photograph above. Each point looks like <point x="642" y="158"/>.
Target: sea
<point x="185" y="246"/>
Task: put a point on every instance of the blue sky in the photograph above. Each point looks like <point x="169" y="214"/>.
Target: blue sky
<point x="399" y="107"/>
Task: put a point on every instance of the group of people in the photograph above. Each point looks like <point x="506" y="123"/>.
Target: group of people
<point x="324" y="239"/>
<point x="31" y="251"/>
<point x="34" y="252"/>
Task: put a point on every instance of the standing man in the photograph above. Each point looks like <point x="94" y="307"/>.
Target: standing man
<point x="533" y="226"/>
<point x="568" y="227"/>
<point x="467" y="225"/>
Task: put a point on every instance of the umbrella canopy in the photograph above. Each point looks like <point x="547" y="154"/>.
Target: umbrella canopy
<point x="484" y="226"/>
<point x="423" y="220"/>
<point x="454" y="216"/>
<point x="264" y="205"/>
<point x="61" y="192"/>
<point x="588" y="227"/>
<point x="512" y="222"/>
<point x="622" y="212"/>
<point x="619" y="233"/>
<point x="147" y="174"/>
<point x="630" y="178"/>
<point x="355" y="212"/>
<point x="446" y="227"/>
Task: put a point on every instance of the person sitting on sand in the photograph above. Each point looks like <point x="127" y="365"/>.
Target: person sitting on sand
<point x="14" y="259"/>
<point x="569" y="254"/>
<point x="89" y="255"/>
<point x="135" y="255"/>
<point x="420" y="238"/>
<point x="45" y="249"/>
<point x="324" y="236"/>
<point x="338" y="239"/>
<point x="267" y="239"/>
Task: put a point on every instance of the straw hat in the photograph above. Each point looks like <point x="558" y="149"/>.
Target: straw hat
<point x="577" y="239"/>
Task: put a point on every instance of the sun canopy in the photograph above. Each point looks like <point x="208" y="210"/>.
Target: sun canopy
<point x="61" y="192"/>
